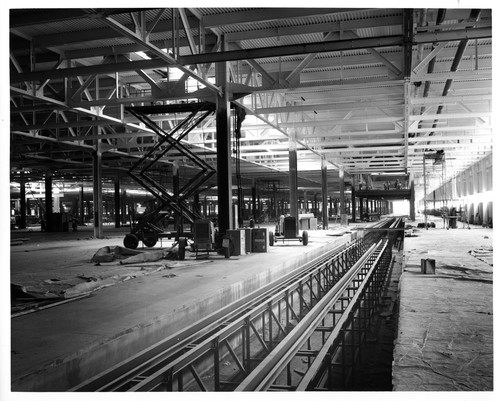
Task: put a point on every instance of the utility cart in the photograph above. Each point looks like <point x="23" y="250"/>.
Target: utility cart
<point x="287" y="229"/>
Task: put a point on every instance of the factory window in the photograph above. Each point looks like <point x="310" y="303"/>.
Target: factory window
<point x="489" y="179"/>
<point x="470" y="180"/>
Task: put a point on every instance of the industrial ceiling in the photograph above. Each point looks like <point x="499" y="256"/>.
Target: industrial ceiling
<point x="365" y="91"/>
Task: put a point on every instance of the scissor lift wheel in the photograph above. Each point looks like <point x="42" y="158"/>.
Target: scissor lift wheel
<point x="131" y="241"/>
<point x="150" y="239"/>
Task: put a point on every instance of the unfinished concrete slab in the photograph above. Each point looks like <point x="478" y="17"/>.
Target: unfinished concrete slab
<point x="445" y="333"/>
<point x="57" y="348"/>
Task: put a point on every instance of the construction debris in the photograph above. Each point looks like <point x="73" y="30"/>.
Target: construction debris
<point x="149" y="256"/>
<point x="127" y="256"/>
<point x="110" y="253"/>
<point x="484" y="254"/>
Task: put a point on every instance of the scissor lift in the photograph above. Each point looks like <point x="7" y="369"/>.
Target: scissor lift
<point x="147" y="229"/>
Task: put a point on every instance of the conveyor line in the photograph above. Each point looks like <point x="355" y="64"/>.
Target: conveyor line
<point x="264" y="325"/>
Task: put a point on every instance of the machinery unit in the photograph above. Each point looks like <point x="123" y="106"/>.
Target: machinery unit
<point x="238" y="239"/>
<point x="286" y="229"/>
<point x="204" y="235"/>
<point x="259" y="239"/>
<point x="205" y="240"/>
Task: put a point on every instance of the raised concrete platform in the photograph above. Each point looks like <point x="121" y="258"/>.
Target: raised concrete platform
<point x="57" y="348"/>
<point x="445" y="333"/>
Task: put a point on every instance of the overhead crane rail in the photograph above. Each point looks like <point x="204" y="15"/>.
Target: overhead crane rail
<point x="251" y="330"/>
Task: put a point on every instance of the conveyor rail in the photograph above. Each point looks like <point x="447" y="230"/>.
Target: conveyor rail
<point x="249" y="330"/>
<point x="348" y="289"/>
<point x="118" y="377"/>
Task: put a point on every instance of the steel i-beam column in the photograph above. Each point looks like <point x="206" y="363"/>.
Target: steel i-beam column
<point x="254" y="200"/>
<point x="82" y="207"/>
<point x="97" y="188"/>
<point x="292" y="168"/>
<point x="342" y="196"/>
<point x="175" y="189"/>
<point x="117" y="204"/>
<point x="222" y="118"/>
<point x="353" y="198"/>
<point x="22" y="211"/>
<point x="412" y="198"/>
<point x="48" y="200"/>
<point x="324" y="192"/>
<point x="123" y="206"/>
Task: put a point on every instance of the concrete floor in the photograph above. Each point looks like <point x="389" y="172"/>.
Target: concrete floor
<point x="445" y="332"/>
<point x="56" y="348"/>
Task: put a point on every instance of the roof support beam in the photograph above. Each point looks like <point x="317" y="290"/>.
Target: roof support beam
<point x="448" y="116"/>
<point x="267" y="15"/>
<point x="447" y="36"/>
<point x="290" y="50"/>
<point x="450" y="99"/>
<point x="310" y="57"/>
<point x="329" y="106"/>
<point x="337" y="26"/>
<point x="452" y="129"/>
<point x="406" y="119"/>
<point x="189" y="35"/>
<point x="87" y="70"/>
<point x="390" y="66"/>
<point x="271" y="124"/>
<point x="109" y="119"/>
<point x="265" y="75"/>
<point x="450" y="75"/>
<point x="434" y="52"/>
<point x="158" y="52"/>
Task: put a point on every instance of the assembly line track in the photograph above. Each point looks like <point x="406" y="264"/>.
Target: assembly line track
<point x="331" y="314"/>
<point x="121" y="376"/>
<point x="241" y="335"/>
